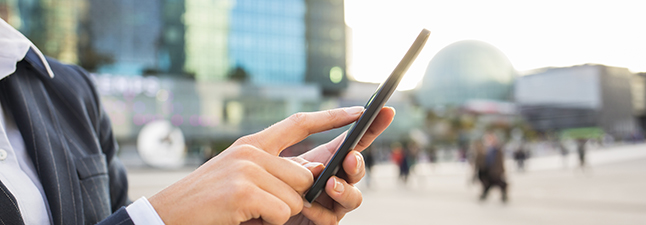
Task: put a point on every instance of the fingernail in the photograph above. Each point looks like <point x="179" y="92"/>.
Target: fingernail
<point x="338" y="186"/>
<point x="354" y="110"/>
<point x="359" y="162"/>
<point x="312" y="165"/>
<point x="306" y="204"/>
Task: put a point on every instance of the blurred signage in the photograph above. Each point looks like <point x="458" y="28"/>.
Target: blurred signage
<point x="490" y="107"/>
<point x="108" y="84"/>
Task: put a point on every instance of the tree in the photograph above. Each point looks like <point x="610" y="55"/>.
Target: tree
<point x="239" y="74"/>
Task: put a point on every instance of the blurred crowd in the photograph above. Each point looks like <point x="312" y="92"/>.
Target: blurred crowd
<point x="486" y="155"/>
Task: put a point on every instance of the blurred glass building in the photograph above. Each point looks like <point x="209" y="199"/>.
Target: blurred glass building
<point x="51" y="25"/>
<point x="326" y="45"/>
<point x="464" y="71"/>
<point x="269" y="42"/>
<point x="207" y="27"/>
<point x="125" y="31"/>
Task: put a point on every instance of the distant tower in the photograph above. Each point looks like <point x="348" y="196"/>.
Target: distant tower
<point x="171" y="55"/>
<point x="326" y="45"/>
<point x="466" y="70"/>
<point x="267" y="40"/>
<point x="127" y="31"/>
<point x="206" y="35"/>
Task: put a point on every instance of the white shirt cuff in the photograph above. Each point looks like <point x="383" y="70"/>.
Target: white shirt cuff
<point x="142" y="213"/>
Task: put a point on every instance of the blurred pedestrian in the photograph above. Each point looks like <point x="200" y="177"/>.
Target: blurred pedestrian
<point x="580" y="149"/>
<point x="412" y="151"/>
<point x="400" y="156"/>
<point x="477" y="154"/>
<point x="369" y="159"/>
<point x="564" y="153"/>
<point x="432" y="156"/>
<point x="490" y="166"/>
<point x="463" y="146"/>
<point x="520" y="155"/>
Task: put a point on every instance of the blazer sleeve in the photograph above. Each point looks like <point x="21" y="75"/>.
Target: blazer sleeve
<point x="116" y="170"/>
<point x="118" y="180"/>
<point x="120" y="217"/>
<point x="103" y="129"/>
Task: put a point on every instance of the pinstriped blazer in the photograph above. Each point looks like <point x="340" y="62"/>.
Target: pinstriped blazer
<point x="69" y="139"/>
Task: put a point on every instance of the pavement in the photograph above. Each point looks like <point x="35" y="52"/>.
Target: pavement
<point x="611" y="189"/>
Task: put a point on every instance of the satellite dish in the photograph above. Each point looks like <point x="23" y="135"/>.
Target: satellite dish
<point x="160" y="144"/>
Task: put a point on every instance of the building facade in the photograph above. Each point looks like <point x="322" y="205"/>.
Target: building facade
<point x="207" y="26"/>
<point x="326" y="45"/>
<point x="127" y="32"/>
<point x="51" y="25"/>
<point x="599" y="96"/>
<point x="272" y="41"/>
<point x="267" y="40"/>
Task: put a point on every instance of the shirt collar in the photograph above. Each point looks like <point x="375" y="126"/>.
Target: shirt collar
<point x="14" y="47"/>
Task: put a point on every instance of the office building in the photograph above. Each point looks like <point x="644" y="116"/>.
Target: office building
<point x="50" y="25"/>
<point x="326" y="45"/>
<point x="171" y="54"/>
<point x="275" y="42"/>
<point x="267" y="40"/>
<point x="585" y="96"/>
<point x="127" y="32"/>
<point x="640" y="98"/>
<point x="206" y="35"/>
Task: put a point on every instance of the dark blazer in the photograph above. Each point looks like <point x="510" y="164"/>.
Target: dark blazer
<point x="494" y="169"/>
<point x="69" y="139"/>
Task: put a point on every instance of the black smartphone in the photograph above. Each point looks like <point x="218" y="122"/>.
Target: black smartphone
<point x="372" y="108"/>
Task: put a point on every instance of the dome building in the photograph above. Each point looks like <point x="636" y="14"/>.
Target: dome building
<point x="464" y="71"/>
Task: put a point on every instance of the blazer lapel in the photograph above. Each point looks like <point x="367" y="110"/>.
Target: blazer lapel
<point x="29" y="101"/>
<point x="10" y="214"/>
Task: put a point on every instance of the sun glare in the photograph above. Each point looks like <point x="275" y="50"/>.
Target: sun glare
<point x="532" y="35"/>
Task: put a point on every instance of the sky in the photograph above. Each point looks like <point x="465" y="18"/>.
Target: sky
<point x="533" y="34"/>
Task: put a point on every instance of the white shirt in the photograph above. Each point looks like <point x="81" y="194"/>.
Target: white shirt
<point x="17" y="171"/>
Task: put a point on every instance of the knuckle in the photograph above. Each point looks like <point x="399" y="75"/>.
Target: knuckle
<point x="332" y="114"/>
<point x="250" y="168"/>
<point x="333" y="220"/>
<point x="296" y="204"/>
<point x="284" y="213"/>
<point x="298" y="118"/>
<point x="245" y="151"/>
<point x="246" y="140"/>
<point x="242" y="191"/>
<point x="245" y="169"/>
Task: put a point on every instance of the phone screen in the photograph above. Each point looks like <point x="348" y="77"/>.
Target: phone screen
<point x="372" y="108"/>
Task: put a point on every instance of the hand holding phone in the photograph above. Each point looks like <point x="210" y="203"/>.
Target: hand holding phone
<point x="372" y="108"/>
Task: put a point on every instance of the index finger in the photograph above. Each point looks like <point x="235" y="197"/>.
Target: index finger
<point x="299" y="126"/>
<point x="323" y="152"/>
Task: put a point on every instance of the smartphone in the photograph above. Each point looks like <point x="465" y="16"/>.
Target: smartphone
<point x="371" y="109"/>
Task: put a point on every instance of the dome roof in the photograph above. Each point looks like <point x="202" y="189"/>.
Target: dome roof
<point x="466" y="70"/>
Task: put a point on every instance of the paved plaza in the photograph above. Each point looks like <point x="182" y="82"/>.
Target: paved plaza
<point x="611" y="190"/>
